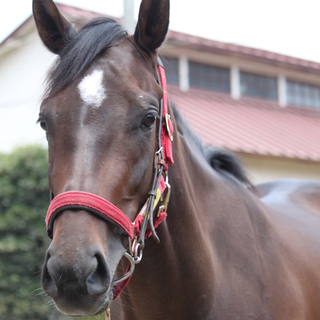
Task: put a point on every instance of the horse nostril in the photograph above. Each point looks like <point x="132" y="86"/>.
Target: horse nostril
<point x="90" y="274"/>
<point x="48" y="283"/>
<point x="99" y="280"/>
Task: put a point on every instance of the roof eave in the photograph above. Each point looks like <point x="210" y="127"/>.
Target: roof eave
<point x="179" y="39"/>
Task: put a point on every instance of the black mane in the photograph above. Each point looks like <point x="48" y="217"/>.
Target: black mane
<point x="223" y="161"/>
<point x="81" y="50"/>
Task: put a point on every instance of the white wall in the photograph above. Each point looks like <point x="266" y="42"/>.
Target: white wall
<point x="22" y="73"/>
<point x="264" y="169"/>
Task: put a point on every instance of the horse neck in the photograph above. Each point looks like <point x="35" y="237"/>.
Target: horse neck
<point x="170" y="283"/>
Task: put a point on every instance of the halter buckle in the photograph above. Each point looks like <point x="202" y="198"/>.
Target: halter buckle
<point x="168" y="120"/>
<point x="164" y="205"/>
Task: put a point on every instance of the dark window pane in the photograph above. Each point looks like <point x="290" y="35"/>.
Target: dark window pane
<point x="171" y="67"/>
<point x="209" y="77"/>
<point x="302" y="94"/>
<point x="255" y="85"/>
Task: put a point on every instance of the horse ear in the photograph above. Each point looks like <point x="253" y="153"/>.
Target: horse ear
<point x="52" y="26"/>
<point x="152" y="24"/>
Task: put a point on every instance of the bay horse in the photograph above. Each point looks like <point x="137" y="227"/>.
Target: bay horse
<point x="117" y="149"/>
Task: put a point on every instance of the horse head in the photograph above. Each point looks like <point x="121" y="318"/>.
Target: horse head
<point x="101" y="117"/>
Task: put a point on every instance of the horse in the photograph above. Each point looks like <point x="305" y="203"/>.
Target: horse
<point x="219" y="248"/>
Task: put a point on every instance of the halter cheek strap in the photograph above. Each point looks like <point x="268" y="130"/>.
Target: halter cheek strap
<point x="167" y="127"/>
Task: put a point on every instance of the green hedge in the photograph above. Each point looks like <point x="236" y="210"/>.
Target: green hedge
<point x="24" y="198"/>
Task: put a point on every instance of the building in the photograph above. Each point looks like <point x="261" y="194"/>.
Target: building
<point x="261" y="105"/>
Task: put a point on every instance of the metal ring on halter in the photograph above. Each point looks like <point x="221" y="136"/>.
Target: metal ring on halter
<point x="159" y="151"/>
<point x="137" y="258"/>
<point x="130" y="271"/>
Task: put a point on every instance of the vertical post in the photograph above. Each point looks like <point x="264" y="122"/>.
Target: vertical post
<point x="235" y="82"/>
<point x="184" y="73"/>
<point x="129" y="22"/>
<point x="282" y="91"/>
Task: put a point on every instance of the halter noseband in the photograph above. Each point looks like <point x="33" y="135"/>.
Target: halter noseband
<point x="143" y="225"/>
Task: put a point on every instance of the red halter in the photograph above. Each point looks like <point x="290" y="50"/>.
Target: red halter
<point x="137" y="230"/>
<point x="76" y="200"/>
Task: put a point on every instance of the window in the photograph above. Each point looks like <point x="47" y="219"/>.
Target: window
<point x="255" y="85"/>
<point x="302" y="94"/>
<point x="171" y="67"/>
<point x="209" y="77"/>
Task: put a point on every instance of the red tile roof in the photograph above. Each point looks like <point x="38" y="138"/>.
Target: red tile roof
<point x="250" y="125"/>
<point x="247" y="125"/>
<point x="79" y="16"/>
<point x="72" y="14"/>
<point x="231" y="49"/>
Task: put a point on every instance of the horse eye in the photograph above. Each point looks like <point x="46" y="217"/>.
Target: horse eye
<point x="148" y="121"/>
<point x="43" y="125"/>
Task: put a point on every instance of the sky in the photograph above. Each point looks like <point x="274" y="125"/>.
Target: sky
<point x="283" y="26"/>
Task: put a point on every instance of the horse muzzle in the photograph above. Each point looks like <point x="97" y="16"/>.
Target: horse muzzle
<point x="76" y="273"/>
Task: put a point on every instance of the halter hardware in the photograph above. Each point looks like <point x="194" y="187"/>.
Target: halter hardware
<point x="144" y="224"/>
<point x="164" y="206"/>
<point x="169" y="130"/>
